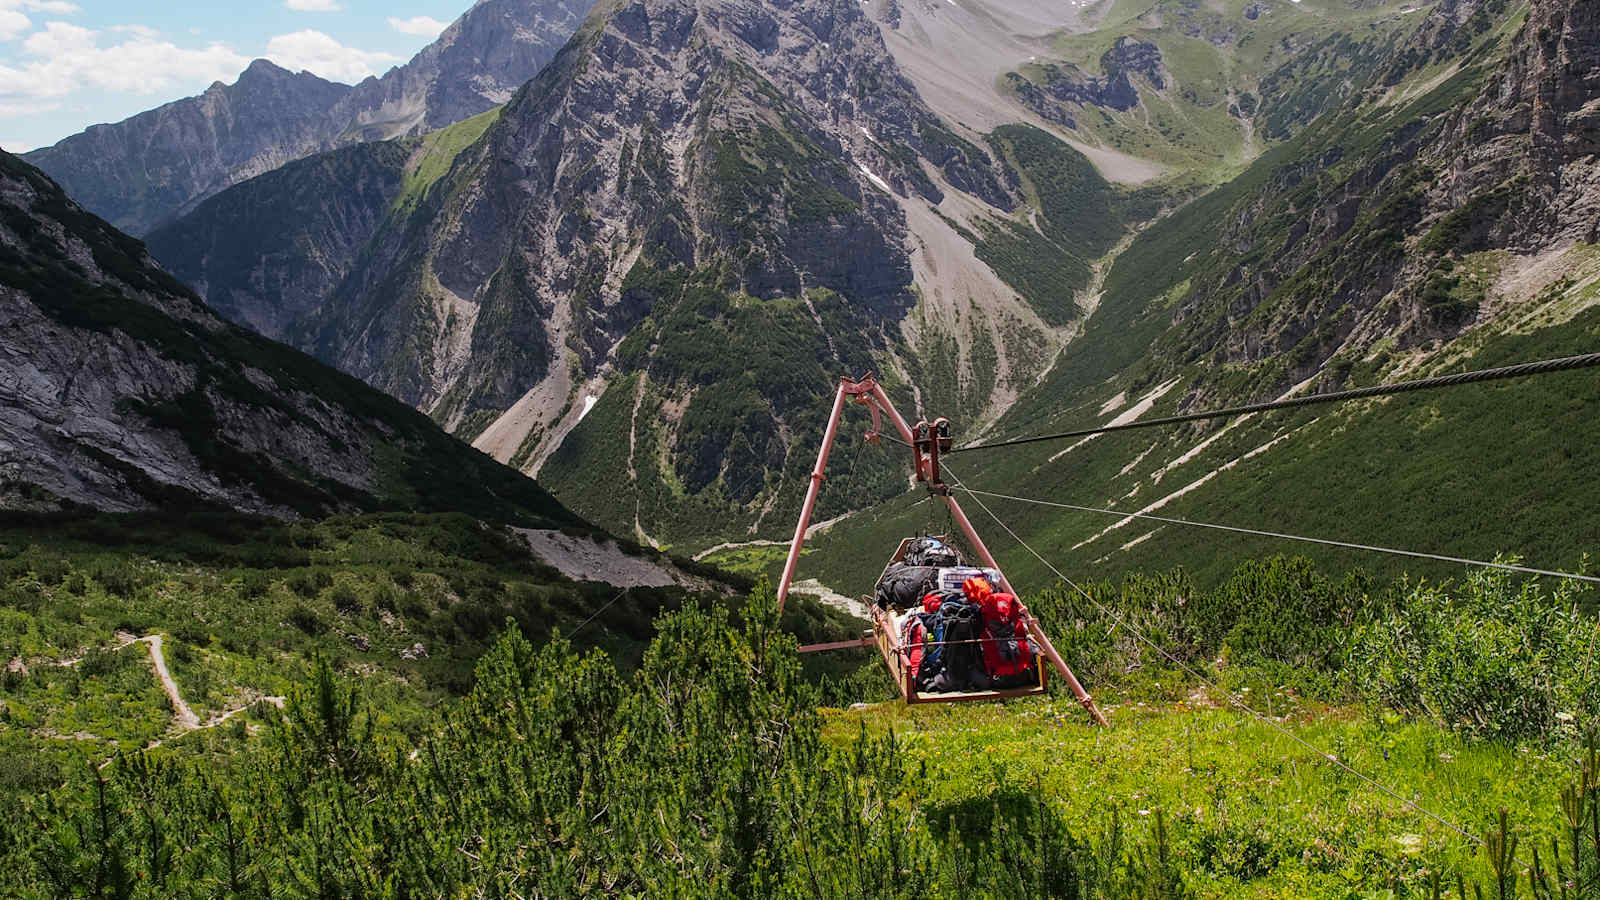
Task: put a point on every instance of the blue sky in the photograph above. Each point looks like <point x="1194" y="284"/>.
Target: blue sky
<point x="68" y="64"/>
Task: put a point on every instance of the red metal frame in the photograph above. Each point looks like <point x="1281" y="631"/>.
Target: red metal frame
<point x="926" y="442"/>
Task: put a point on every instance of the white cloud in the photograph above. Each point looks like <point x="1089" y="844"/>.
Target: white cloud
<point x="68" y="58"/>
<point x="141" y="31"/>
<point x="315" y="52"/>
<point x="313" y="5"/>
<point x="422" y="26"/>
<point x="14" y="23"/>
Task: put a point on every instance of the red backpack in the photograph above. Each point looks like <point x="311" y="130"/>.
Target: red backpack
<point x="913" y="635"/>
<point x="1006" y="651"/>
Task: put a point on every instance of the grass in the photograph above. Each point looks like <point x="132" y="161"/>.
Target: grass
<point x="750" y="561"/>
<point x="1252" y="813"/>
<point x="1215" y="59"/>
<point x="709" y="771"/>
<point x="431" y="160"/>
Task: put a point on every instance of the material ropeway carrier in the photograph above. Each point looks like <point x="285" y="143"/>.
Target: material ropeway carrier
<point x="926" y="440"/>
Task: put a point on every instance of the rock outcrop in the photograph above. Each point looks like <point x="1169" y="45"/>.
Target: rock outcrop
<point x="768" y="143"/>
<point x="708" y="193"/>
<point x="1061" y="83"/>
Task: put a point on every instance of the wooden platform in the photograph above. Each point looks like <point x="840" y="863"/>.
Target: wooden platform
<point x="895" y="657"/>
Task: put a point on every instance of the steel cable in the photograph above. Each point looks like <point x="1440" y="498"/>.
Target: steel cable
<point x="1294" y="537"/>
<point x="1542" y="367"/>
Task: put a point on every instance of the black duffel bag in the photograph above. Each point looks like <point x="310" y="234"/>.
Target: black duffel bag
<point x="902" y="586"/>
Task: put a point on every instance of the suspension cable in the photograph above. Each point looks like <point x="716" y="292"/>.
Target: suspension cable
<point x="619" y="596"/>
<point x="1293" y="537"/>
<point x="1542" y="367"/>
<point x="1266" y="720"/>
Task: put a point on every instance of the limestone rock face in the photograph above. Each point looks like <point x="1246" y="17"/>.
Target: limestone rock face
<point x="145" y="170"/>
<point x="120" y="390"/>
<point x="772" y="142"/>
<point x="1534" y="134"/>
<point x="1064" y="83"/>
<point x="712" y="195"/>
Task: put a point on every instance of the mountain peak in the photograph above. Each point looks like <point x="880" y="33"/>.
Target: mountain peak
<point x="263" y="67"/>
<point x="145" y="170"/>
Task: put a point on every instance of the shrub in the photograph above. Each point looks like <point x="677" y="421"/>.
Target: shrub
<point x="306" y="619"/>
<point x="1495" y="657"/>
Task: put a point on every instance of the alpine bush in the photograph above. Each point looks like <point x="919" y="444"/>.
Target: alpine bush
<point x="1495" y="657"/>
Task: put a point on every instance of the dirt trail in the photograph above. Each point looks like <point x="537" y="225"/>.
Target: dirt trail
<point x="811" y="587"/>
<point x="814" y="529"/>
<point x="186" y="719"/>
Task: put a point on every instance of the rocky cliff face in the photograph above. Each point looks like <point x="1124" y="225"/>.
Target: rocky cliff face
<point x="1535" y="131"/>
<point x="1060" y="84"/>
<point x="145" y="170"/>
<point x="119" y="390"/>
<point x="677" y="157"/>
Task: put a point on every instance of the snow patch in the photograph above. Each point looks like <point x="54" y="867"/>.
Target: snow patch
<point x="588" y="404"/>
<point x="882" y="185"/>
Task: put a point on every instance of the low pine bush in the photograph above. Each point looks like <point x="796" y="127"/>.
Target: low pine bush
<point x="1494" y="656"/>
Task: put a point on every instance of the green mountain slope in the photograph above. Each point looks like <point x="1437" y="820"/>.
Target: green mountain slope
<point x="267" y="253"/>
<point x="1428" y="224"/>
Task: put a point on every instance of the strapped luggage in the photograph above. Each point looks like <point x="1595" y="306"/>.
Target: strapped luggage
<point x="902" y="586"/>
<point x="955" y="663"/>
<point x="952" y="577"/>
<point x="930" y="551"/>
<point x="1008" y="657"/>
